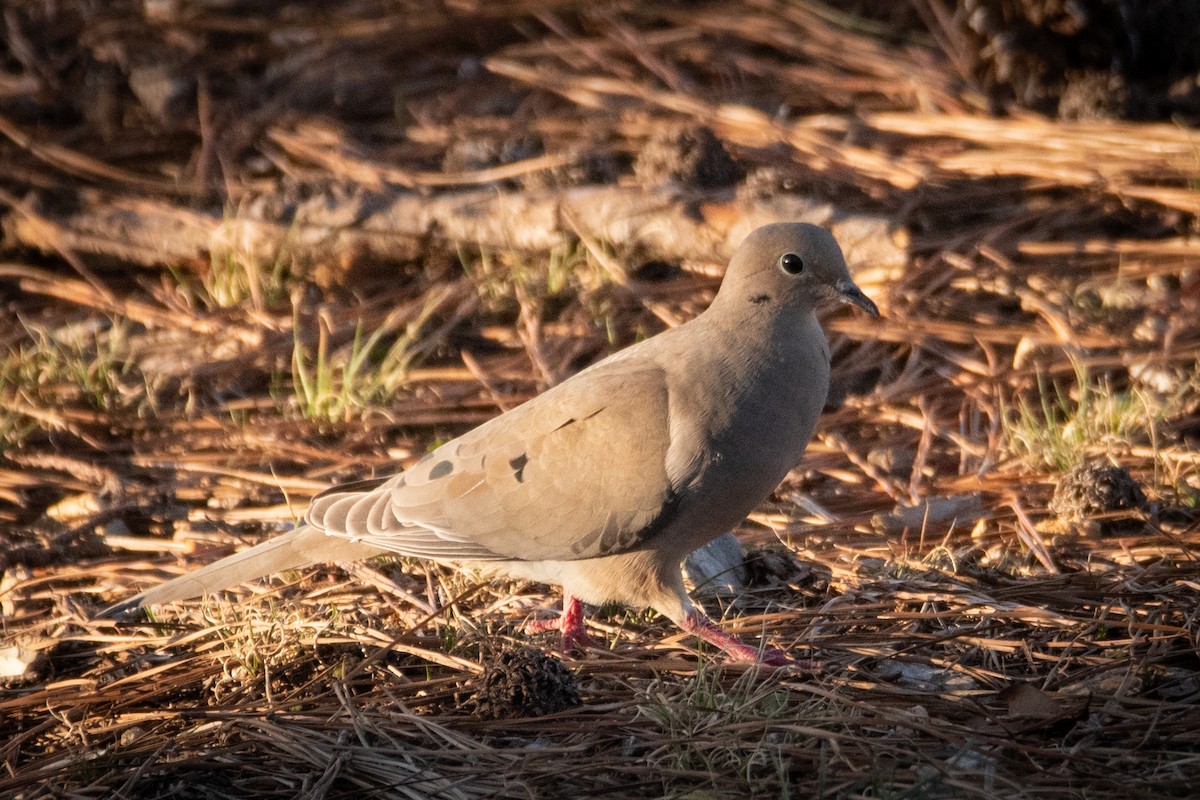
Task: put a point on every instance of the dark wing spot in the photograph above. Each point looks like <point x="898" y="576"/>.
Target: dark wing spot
<point x="572" y="420"/>
<point x="759" y="299"/>
<point x="611" y="539"/>
<point x="583" y="547"/>
<point x="518" y="465"/>
<point x="440" y="470"/>
<point x="356" y="486"/>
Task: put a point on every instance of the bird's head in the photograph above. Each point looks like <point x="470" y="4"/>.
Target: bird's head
<point x="790" y="266"/>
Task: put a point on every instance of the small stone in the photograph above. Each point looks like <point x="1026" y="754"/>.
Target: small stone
<point x="163" y="90"/>
<point x="1152" y="328"/>
<point x="20" y="665"/>
<point x="718" y="568"/>
<point x="1160" y="378"/>
<point x="894" y="461"/>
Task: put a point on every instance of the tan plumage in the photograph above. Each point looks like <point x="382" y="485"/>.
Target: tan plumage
<point x="604" y="483"/>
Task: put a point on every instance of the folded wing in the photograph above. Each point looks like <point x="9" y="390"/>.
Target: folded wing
<point x="579" y="472"/>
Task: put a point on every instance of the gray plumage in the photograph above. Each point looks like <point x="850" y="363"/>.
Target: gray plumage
<point x="604" y="483"/>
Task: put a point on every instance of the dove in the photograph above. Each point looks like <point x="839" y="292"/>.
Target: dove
<point x="604" y="483"/>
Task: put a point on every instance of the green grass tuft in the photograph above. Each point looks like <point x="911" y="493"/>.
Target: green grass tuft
<point x="52" y="367"/>
<point x="1062" y="424"/>
<point x="338" y="385"/>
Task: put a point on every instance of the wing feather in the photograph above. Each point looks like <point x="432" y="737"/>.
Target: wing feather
<point x="578" y="472"/>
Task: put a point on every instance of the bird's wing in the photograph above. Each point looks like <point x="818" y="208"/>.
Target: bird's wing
<point x="579" y="472"/>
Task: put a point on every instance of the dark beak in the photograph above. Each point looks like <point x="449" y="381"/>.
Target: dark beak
<point x="849" y="293"/>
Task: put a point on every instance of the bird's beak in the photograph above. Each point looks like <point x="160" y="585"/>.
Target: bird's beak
<point x="849" y="293"/>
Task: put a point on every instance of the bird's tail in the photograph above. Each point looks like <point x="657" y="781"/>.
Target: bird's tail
<point x="296" y="549"/>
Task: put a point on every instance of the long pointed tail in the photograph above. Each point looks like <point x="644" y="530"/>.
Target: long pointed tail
<point x="299" y="548"/>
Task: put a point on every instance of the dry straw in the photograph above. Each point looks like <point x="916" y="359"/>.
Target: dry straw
<point x="1040" y="288"/>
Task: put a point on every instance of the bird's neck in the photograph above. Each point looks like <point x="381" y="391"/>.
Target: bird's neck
<point x="754" y="325"/>
<point x="762" y="352"/>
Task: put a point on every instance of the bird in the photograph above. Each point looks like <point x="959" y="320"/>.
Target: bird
<point x="604" y="483"/>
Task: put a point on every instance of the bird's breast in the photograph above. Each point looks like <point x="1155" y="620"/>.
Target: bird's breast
<point x="766" y="411"/>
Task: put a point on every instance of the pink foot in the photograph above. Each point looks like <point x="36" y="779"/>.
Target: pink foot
<point x="738" y="652"/>
<point x="570" y="622"/>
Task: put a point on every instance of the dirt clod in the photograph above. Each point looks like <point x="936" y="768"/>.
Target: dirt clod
<point x="524" y="682"/>
<point x="1095" y="487"/>
<point x="692" y="157"/>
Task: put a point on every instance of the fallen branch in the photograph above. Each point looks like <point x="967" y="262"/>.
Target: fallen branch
<point x="325" y="232"/>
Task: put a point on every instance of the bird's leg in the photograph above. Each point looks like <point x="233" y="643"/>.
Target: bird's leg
<point x="736" y="651"/>
<point x="570" y="623"/>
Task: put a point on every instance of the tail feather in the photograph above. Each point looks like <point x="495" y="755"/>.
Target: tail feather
<point x="299" y="548"/>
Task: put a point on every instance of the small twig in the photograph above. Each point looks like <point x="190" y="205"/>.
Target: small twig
<point x="1030" y="536"/>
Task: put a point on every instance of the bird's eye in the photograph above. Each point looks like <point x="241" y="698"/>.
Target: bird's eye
<point x="791" y="263"/>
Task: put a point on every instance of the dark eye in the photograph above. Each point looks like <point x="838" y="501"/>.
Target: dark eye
<point x="791" y="263"/>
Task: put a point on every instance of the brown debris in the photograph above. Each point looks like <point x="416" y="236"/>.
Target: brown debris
<point x="689" y="157"/>
<point x="523" y="682"/>
<point x="47" y="543"/>
<point x="1085" y="60"/>
<point x="229" y="185"/>
<point x="1096" y="487"/>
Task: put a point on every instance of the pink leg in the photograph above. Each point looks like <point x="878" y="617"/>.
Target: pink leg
<point x="570" y="622"/>
<point x="738" y="652"/>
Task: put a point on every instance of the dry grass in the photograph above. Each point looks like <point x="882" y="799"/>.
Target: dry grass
<point x="154" y="417"/>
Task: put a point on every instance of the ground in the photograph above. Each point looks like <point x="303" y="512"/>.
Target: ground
<point x="250" y="251"/>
